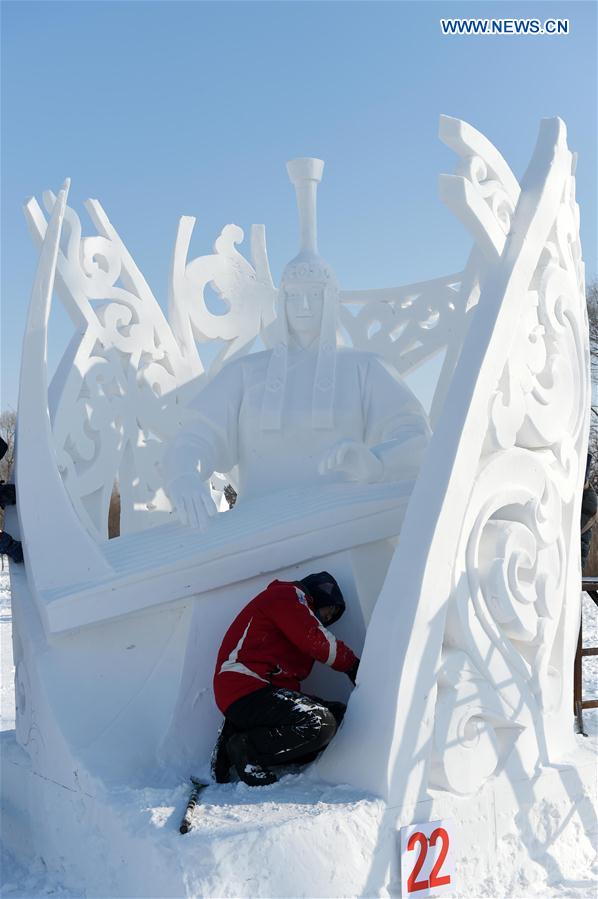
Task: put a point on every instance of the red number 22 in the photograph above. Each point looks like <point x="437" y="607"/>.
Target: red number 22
<point x="413" y="885"/>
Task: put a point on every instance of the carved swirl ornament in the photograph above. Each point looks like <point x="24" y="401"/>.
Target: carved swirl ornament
<point x="115" y="392"/>
<point x="406" y="326"/>
<point x="503" y="654"/>
<point x="111" y="405"/>
<point x="475" y="170"/>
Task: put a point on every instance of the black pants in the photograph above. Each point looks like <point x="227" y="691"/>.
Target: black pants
<point x="284" y="726"/>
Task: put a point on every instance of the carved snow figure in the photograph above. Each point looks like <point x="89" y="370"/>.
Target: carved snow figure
<point x="466" y="624"/>
<point x="303" y="413"/>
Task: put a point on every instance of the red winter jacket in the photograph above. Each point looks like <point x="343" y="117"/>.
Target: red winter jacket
<point x="274" y="641"/>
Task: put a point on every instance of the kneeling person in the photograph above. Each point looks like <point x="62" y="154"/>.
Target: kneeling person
<point x="267" y="651"/>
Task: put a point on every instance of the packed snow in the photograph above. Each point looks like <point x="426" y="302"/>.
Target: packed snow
<point x="229" y="816"/>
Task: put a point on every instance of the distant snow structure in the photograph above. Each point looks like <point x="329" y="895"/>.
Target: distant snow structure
<point x="455" y="539"/>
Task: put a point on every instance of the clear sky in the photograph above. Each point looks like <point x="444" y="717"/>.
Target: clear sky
<point x="160" y="109"/>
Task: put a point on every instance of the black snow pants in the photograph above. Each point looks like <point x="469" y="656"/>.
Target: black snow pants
<point x="284" y="726"/>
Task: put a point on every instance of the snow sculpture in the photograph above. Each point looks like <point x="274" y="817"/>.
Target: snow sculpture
<point x="467" y="624"/>
<point x="305" y="412"/>
<point x="490" y="576"/>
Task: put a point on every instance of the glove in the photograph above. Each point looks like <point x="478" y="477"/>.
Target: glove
<point x="11" y="548"/>
<point x="192" y="499"/>
<point x="352" y="672"/>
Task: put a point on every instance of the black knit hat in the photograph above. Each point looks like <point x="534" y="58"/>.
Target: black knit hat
<point x="324" y="591"/>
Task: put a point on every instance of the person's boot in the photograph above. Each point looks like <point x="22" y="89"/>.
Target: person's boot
<point x="249" y="772"/>
<point x="220" y="764"/>
<point x="11" y="548"/>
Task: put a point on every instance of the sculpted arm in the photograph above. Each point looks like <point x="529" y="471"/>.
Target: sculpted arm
<point x="207" y="445"/>
<point x="396" y="432"/>
<point x="397" y="427"/>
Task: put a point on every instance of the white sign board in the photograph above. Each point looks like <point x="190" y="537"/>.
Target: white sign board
<point x="427" y="859"/>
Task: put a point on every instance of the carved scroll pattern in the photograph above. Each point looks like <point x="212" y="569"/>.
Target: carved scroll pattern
<point x="113" y="390"/>
<point x="483" y="192"/>
<point x="407" y="325"/>
<point x="502" y="206"/>
<point x="503" y="655"/>
<point x="410" y="324"/>
<point x="245" y="290"/>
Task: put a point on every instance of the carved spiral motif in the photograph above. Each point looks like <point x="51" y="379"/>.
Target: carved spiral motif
<point x="474" y="168"/>
<point x="100" y="260"/>
<point x="503" y="642"/>
<point x="514" y="562"/>
<point x="110" y="405"/>
<point x="249" y="300"/>
<point x="409" y="328"/>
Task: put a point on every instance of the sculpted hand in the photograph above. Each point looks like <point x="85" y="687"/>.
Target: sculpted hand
<point x="354" y="460"/>
<point x="192" y="499"/>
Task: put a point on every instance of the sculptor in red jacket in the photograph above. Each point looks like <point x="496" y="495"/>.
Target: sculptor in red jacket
<point x="274" y="641"/>
<point x="267" y="651"/>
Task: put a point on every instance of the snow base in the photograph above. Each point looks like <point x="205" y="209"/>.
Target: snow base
<point x="296" y="838"/>
<point x="299" y="837"/>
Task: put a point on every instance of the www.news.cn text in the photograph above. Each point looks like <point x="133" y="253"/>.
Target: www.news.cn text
<point x="504" y="26"/>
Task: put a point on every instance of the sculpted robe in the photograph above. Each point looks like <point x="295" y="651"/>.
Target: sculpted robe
<point x="371" y="405"/>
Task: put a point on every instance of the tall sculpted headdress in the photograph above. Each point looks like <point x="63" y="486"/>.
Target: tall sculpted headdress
<point x="305" y="270"/>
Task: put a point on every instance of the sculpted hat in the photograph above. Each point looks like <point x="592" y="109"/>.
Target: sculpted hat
<point x="307" y="268"/>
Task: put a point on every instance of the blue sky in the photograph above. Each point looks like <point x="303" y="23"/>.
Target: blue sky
<point x="160" y="109"/>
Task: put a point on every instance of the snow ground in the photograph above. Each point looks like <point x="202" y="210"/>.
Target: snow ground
<point x="235" y="807"/>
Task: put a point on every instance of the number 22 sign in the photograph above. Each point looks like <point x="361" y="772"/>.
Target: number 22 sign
<point x="427" y="861"/>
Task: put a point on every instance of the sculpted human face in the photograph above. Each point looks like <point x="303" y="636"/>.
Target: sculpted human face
<point x="304" y="304"/>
